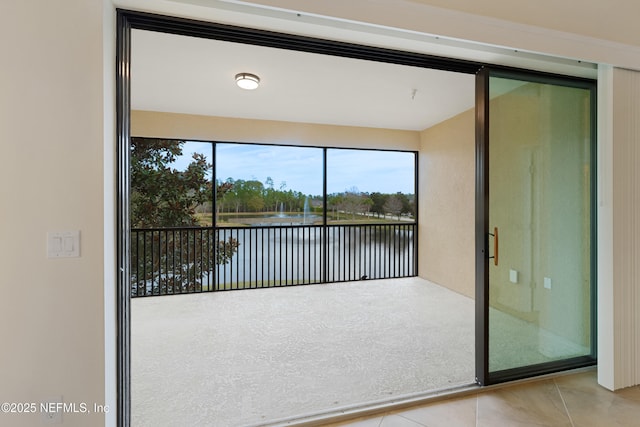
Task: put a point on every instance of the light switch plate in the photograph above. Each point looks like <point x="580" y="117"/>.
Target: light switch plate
<point x="63" y="244"/>
<point x="547" y="283"/>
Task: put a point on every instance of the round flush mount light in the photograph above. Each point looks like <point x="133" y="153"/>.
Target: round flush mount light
<point x="247" y="81"/>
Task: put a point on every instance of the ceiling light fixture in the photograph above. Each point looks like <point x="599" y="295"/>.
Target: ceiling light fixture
<point x="247" y="81"/>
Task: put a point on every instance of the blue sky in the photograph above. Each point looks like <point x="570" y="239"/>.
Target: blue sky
<point x="301" y="167"/>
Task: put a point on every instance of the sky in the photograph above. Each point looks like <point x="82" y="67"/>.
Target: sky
<point x="300" y="168"/>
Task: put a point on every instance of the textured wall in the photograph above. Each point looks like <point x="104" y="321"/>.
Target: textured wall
<point x="447" y="204"/>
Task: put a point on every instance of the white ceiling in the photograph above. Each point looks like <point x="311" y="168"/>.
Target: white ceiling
<point x="181" y="74"/>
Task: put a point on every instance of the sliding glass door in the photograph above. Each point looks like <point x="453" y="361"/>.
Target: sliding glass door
<point x="534" y="224"/>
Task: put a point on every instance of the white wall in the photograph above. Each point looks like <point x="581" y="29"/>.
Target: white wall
<point x="51" y="179"/>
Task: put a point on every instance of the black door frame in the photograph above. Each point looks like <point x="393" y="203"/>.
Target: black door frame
<point x="129" y="20"/>
<point x="483" y="120"/>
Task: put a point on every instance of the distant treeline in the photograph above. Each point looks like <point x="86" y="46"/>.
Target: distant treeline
<point x="254" y="196"/>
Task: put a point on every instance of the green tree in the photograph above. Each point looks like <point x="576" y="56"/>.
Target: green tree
<point x="270" y="195"/>
<point x="378" y="202"/>
<point x="269" y="182"/>
<point x="223" y="198"/>
<point x="408" y="204"/>
<point x="253" y="196"/>
<point x="232" y="198"/>
<point x="163" y="197"/>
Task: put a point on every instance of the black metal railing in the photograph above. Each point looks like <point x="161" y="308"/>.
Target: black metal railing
<point x="167" y="261"/>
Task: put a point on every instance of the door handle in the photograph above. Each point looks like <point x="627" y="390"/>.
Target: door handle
<point x="495" y="246"/>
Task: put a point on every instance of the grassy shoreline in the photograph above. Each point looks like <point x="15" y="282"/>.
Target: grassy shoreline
<point x="248" y="219"/>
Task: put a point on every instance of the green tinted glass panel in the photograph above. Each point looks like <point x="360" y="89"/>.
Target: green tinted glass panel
<point x="539" y="200"/>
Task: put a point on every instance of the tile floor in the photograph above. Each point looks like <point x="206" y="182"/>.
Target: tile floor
<point x="574" y="400"/>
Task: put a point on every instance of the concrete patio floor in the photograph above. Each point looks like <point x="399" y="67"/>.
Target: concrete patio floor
<point x="251" y="357"/>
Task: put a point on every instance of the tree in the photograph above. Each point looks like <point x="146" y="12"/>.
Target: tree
<point x="253" y="195"/>
<point x="334" y="202"/>
<point x="355" y="202"/>
<point x="270" y="195"/>
<point x="231" y="197"/>
<point x="222" y="198"/>
<point x="164" y="197"/>
<point x="408" y="204"/>
<point x="379" y="201"/>
<point x="394" y="205"/>
<point x="269" y="182"/>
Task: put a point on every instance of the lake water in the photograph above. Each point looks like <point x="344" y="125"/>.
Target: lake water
<point x="272" y="256"/>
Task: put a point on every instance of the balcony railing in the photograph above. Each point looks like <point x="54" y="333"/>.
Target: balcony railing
<point x="166" y="261"/>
